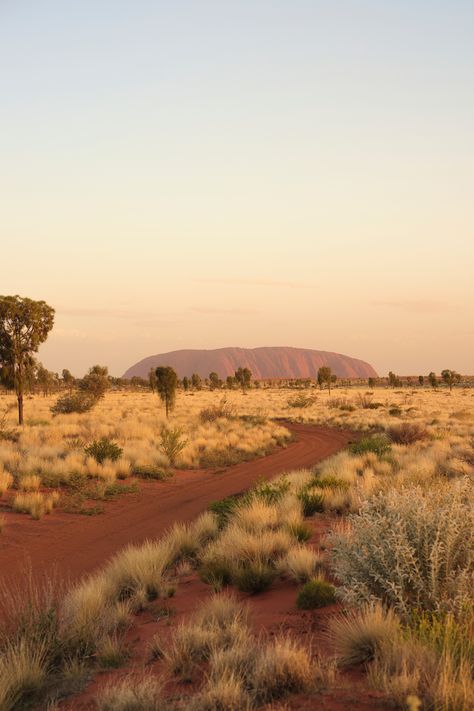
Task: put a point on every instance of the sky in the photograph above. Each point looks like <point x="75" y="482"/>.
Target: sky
<point x="201" y="174"/>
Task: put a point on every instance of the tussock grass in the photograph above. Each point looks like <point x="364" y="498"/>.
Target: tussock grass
<point x="358" y="635"/>
<point x="35" y="503"/>
<point x="300" y="563"/>
<point x="6" y="480"/>
<point x="133" y="694"/>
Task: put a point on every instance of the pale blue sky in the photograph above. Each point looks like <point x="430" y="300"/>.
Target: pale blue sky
<point x="202" y="174"/>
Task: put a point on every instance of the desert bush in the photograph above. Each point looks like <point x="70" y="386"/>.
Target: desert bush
<point x="102" y="449"/>
<point x="315" y="593"/>
<point x="133" y="694"/>
<point x="378" y="444"/>
<point x="359" y="634"/>
<point x="75" y="402"/>
<point x="171" y="443"/>
<point x="407" y="433"/>
<point x="410" y="549"/>
<point x="395" y="411"/>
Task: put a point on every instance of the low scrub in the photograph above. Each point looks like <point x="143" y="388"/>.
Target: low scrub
<point x="76" y="402"/>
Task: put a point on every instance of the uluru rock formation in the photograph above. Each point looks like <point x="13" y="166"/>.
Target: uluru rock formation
<point x="270" y="362"/>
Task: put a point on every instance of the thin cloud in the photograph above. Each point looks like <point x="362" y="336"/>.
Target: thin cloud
<point x="256" y="282"/>
<point x="419" y="307"/>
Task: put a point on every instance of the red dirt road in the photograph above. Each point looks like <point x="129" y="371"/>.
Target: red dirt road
<point x="74" y="545"/>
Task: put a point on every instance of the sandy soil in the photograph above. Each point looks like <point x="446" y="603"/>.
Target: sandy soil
<point x="71" y="545"/>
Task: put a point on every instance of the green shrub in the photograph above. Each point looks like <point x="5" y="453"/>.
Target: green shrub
<point x="224" y="508"/>
<point x="75" y="402"/>
<point x="378" y="444"/>
<point x="102" y="449"/>
<point x="315" y="593"/>
<point x="171" y="442"/>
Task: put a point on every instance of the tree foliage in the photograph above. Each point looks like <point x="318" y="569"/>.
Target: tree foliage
<point x="325" y="377"/>
<point x="243" y="376"/>
<point x="24" y="326"/>
<point x="166" y="384"/>
<point x="450" y="377"/>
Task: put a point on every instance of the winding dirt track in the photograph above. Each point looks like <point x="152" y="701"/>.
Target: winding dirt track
<point x="74" y="545"/>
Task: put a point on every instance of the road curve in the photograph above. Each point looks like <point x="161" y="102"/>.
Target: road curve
<point x="74" y="545"/>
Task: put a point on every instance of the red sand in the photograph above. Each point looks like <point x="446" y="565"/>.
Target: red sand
<point x="73" y="544"/>
<point x="272" y="612"/>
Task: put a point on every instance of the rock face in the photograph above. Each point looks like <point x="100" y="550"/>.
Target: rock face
<point x="271" y="362"/>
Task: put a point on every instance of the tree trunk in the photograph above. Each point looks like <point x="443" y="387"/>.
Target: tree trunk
<point x="20" y="408"/>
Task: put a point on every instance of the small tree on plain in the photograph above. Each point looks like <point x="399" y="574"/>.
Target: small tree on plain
<point x="152" y="379"/>
<point x="433" y="380"/>
<point x="325" y="377"/>
<point x="96" y="382"/>
<point x="421" y="380"/>
<point x="69" y="380"/>
<point x="244" y="377"/>
<point x="213" y="380"/>
<point x="166" y="384"/>
<point x="186" y="383"/>
<point x="450" y="377"/>
<point x="196" y="381"/>
<point x="24" y="326"/>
